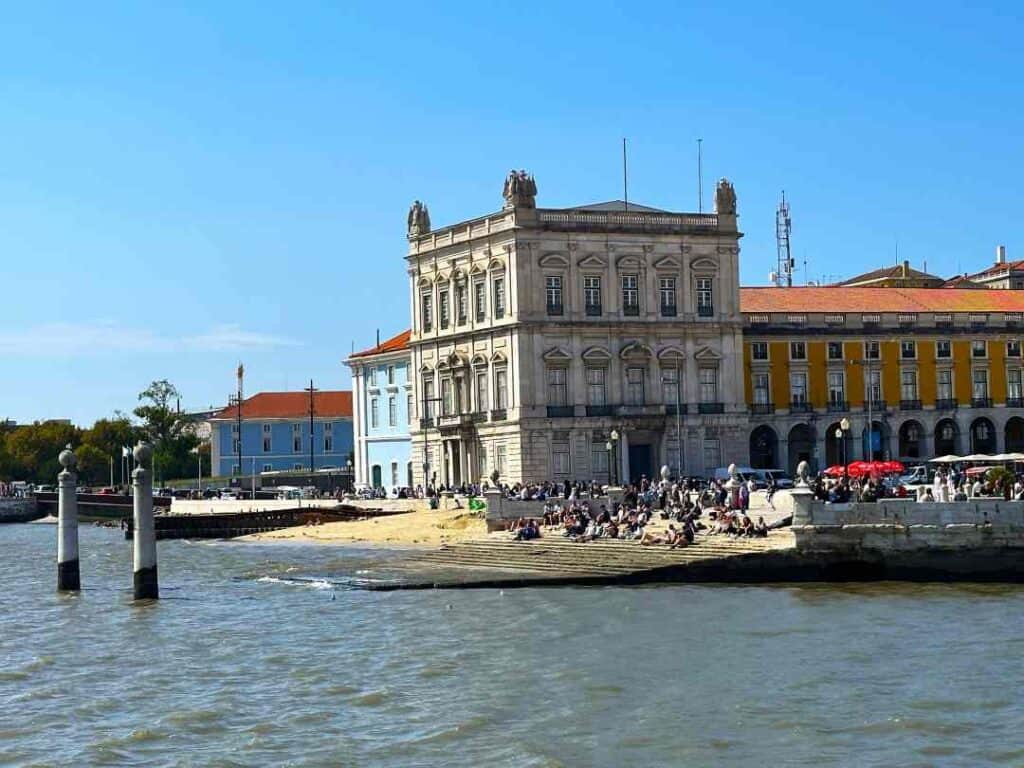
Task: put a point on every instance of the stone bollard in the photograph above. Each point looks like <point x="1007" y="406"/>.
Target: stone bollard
<point x="495" y="509"/>
<point x="68" y="578"/>
<point x="144" y="557"/>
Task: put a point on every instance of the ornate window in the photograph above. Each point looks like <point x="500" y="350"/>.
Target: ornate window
<point x="553" y="294"/>
<point x="908" y="351"/>
<point x="443" y="308"/>
<point x="461" y="304"/>
<point x="670" y="386"/>
<point x="558" y="393"/>
<point x="943" y="350"/>
<point x="705" y="297"/>
<point x="836" y="387"/>
<point x="499" y="297"/>
<point x="596" y="388"/>
<point x="835" y="350"/>
<point x="979" y="348"/>
<point x="944" y="384"/>
<point x="759" y="350"/>
<point x="667" y="291"/>
<point x="797" y="350"/>
<point x="798" y="387"/>
<point x="374" y="412"/>
<point x="500" y="387"/>
<point x="427" y="312"/>
<point x="480" y="300"/>
<point x="908" y="385"/>
<point x="979" y="388"/>
<point x="592" y="295"/>
<point x="762" y="391"/>
<point x="630" y="295"/>
<point x="871" y="350"/>
<point x="635" y="385"/>
<point x="708" y="384"/>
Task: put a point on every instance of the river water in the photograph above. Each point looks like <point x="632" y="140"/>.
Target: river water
<point x="259" y="655"/>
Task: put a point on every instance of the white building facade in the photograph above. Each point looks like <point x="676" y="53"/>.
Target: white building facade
<point x="598" y="342"/>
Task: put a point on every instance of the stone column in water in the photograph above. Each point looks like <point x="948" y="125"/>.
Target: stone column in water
<point x="68" y="578"/>
<point x="144" y="560"/>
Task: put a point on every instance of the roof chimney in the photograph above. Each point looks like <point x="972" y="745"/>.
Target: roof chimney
<point x="1000" y="254"/>
<point x="906" y="267"/>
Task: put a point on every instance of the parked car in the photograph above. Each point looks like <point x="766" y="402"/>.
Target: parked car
<point x="44" y="489"/>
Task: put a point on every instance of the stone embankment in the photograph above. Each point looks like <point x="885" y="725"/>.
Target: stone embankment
<point x="19" y="510"/>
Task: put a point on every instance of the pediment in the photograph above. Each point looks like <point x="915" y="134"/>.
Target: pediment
<point x="557" y="355"/>
<point x="636" y="349"/>
<point x="706" y="353"/>
<point x="592" y="261"/>
<point x="479" y="359"/>
<point x="498" y="357"/>
<point x="630" y="261"/>
<point x="669" y="262"/>
<point x="556" y="260"/>
<point x="704" y="264"/>
<point x="496" y="265"/>
<point x="595" y="354"/>
<point x="671" y="353"/>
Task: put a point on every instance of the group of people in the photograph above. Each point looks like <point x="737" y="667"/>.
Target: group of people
<point x="583" y="513"/>
<point x="947" y="485"/>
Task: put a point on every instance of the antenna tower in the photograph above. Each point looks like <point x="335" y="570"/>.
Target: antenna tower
<point x="783" y="226"/>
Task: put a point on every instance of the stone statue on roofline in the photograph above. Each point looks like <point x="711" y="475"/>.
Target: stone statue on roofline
<point x="520" y="190"/>
<point x="419" y="219"/>
<point x="725" y="198"/>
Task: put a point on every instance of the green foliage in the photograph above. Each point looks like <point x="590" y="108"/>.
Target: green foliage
<point x="29" y="452"/>
<point x="1000" y="477"/>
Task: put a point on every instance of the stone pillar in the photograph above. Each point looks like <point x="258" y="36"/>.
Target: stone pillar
<point x="803" y="500"/>
<point x="68" y="578"/>
<point x="495" y="509"/>
<point x="144" y="557"/>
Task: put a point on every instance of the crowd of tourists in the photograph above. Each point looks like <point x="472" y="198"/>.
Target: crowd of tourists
<point x="948" y="484"/>
<point x="582" y="512"/>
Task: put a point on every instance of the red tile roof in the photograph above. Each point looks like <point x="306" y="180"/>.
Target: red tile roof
<point x="394" y="344"/>
<point x="291" y="405"/>
<point x="839" y="299"/>
<point x="962" y="281"/>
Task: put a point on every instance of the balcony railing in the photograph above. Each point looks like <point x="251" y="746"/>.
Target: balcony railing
<point x="561" y="411"/>
<point x="838" y="406"/>
<point x="946" y="404"/>
<point x="478" y="416"/>
<point x="600" y="410"/>
<point x="874" y="405"/>
<point x="800" y="406"/>
<point x="670" y="410"/>
<point x="981" y="402"/>
<point x="498" y="414"/>
<point x="710" y="407"/>
<point x="1015" y="402"/>
<point x="555" y="309"/>
<point x="705" y="311"/>
<point x="668" y="310"/>
<point x="426" y="423"/>
<point x="631" y="309"/>
<point x="910" y="405"/>
<point x="762" y="409"/>
<point x="593" y="310"/>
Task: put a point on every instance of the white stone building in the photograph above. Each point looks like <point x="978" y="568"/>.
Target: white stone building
<point x="539" y="334"/>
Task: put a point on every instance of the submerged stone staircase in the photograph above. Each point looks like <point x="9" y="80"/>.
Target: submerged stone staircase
<point x="560" y="558"/>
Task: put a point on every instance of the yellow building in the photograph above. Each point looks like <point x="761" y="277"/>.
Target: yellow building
<point x="936" y="371"/>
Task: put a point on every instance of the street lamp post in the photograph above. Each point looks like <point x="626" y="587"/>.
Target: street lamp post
<point x="351" y="480"/>
<point x="615" y="456"/>
<point x="844" y="427"/>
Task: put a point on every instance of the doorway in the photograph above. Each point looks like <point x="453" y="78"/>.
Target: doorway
<point x="640" y="463"/>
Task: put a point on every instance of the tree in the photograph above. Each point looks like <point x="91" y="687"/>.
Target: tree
<point x="93" y="464"/>
<point x="167" y="430"/>
<point x="33" y="449"/>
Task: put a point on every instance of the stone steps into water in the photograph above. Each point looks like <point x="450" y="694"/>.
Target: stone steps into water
<point x="556" y="556"/>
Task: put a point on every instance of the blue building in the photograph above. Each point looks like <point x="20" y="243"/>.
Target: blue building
<point x="275" y="433"/>
<point x="383" y="410"/>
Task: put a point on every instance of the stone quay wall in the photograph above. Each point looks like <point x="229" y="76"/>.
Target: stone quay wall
<point x="898" y="525"/>
<point x="18" y="510"/>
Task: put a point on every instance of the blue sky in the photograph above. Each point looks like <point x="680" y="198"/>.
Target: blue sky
<point x="188" y="185"/>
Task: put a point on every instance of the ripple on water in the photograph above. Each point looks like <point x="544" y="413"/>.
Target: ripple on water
<point x="370" y="699"/>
